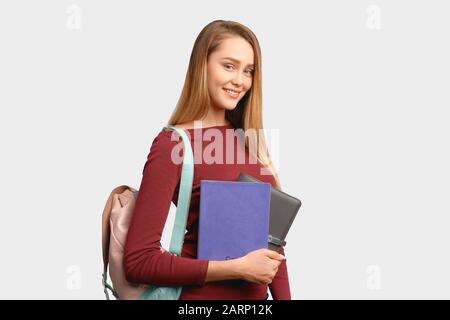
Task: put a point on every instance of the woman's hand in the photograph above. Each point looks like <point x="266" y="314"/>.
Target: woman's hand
<point x="260" y="266"/>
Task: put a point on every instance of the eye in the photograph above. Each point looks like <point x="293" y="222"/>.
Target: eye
<point x="228" y="65"/>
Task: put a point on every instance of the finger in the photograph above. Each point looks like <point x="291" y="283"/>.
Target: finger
<point x="275" y="255"/>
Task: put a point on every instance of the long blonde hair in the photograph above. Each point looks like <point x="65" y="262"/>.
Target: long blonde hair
<point x="195" y="100"/>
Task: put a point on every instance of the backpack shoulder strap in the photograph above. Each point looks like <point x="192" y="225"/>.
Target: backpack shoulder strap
<point x="184" y="193"/>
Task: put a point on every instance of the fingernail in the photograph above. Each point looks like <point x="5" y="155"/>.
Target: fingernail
<point x="282" y="256"/>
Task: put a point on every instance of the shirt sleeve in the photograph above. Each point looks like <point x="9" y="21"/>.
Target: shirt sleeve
<point x="279" y="288"/>
<point x="145" y="261"/>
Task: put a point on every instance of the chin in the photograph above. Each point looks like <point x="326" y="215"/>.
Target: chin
<point x="231" y="107"/>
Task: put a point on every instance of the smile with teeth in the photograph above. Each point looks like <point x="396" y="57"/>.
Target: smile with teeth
<point x="231" y="92"/>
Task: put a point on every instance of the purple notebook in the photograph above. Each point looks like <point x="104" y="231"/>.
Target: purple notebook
<point x="234" y="218"/>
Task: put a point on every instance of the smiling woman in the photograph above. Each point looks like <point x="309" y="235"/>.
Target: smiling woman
<point x="224" y="84"/>
<point x="222" y="90"/>
<point x="229" y="73"/>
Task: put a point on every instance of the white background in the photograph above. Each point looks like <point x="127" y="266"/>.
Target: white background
<point x="359" y="91"/>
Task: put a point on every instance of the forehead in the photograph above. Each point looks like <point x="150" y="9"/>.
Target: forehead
<point x="235" y="48"/>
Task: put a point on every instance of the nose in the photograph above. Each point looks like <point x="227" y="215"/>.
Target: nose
<point x="237" y="79"/>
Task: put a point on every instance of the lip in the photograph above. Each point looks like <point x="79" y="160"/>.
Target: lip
<point x="232" y="90"/>
<point x="237" y="96"/>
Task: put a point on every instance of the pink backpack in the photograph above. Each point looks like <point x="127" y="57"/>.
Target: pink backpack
<point x="116" y="219"/>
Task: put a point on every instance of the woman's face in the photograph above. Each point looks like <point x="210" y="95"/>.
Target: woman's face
<point x="230" y="67"/>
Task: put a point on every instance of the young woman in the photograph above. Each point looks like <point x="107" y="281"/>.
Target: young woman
<point x="222" y="92"/>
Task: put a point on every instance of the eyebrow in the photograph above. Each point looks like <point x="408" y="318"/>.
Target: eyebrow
<point x="237" y="61"/>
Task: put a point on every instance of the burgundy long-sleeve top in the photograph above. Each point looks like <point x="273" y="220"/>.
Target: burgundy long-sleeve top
<point x="145" y="261"/>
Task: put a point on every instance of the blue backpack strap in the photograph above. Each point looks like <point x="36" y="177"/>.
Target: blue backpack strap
<point x="184" y="194"/>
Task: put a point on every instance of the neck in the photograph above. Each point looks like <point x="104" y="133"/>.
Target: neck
<point x="215" y="117"/>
